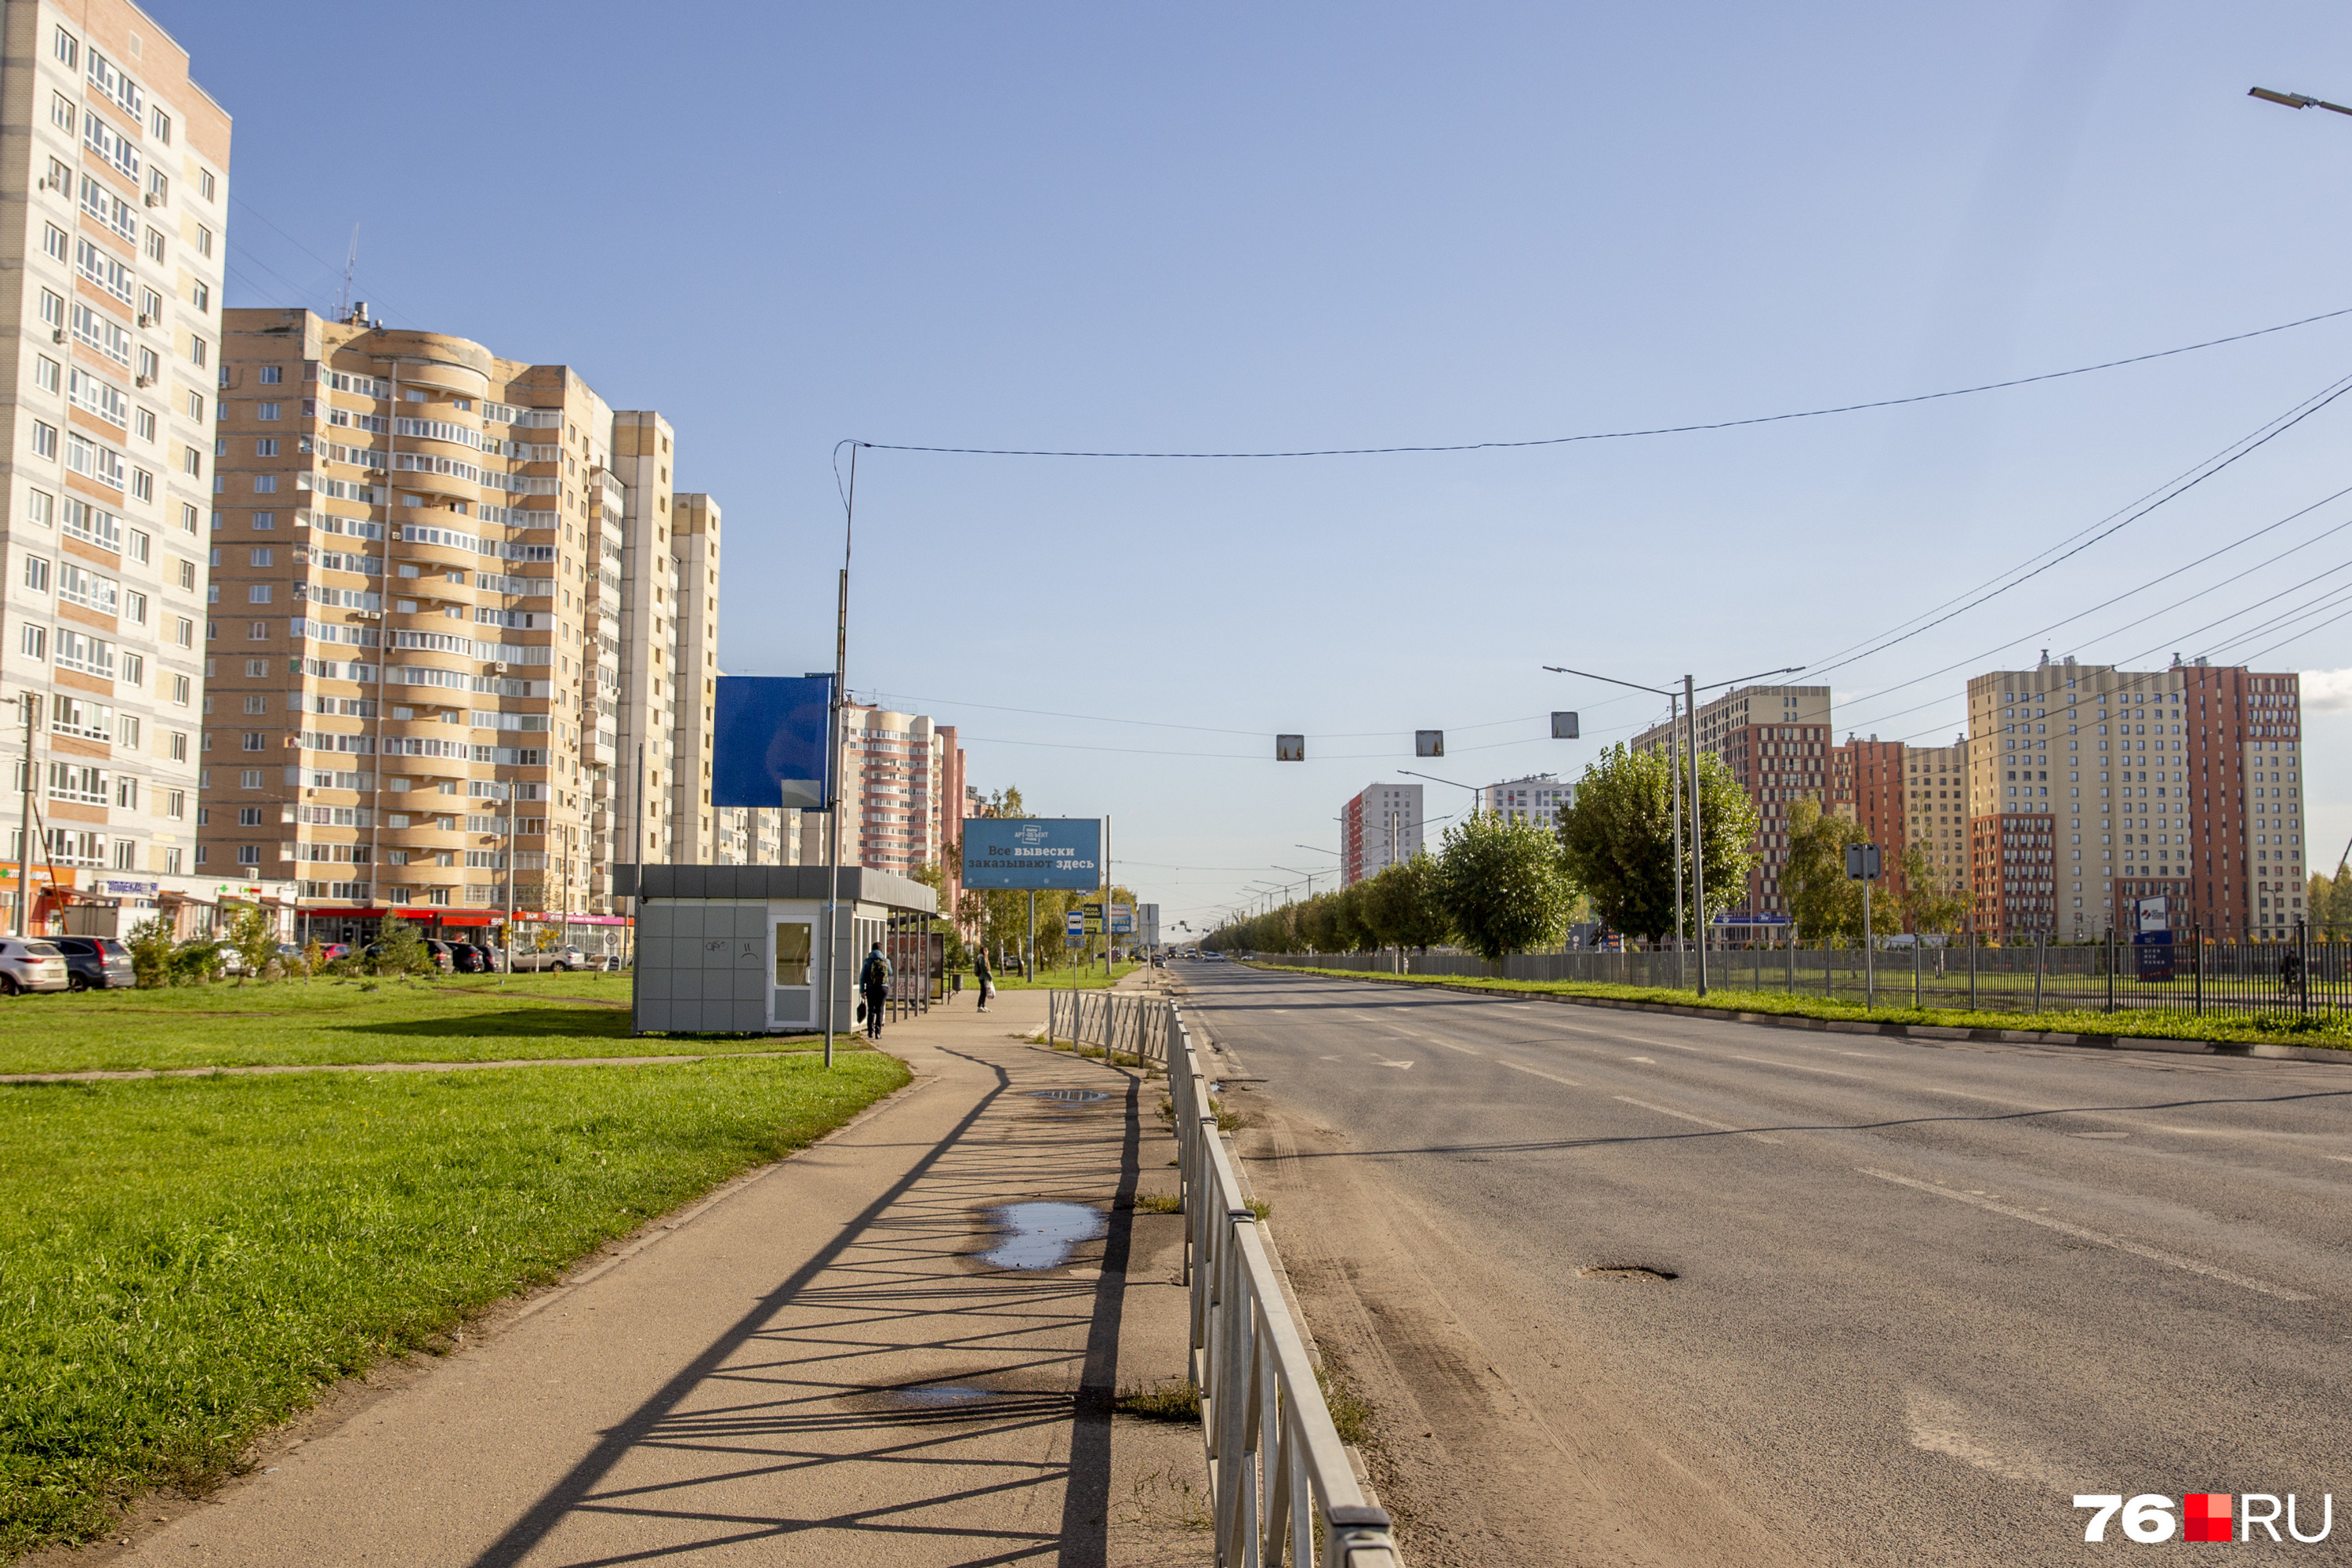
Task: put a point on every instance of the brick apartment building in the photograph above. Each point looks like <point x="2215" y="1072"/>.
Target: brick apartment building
<point x="1777" y="741"/>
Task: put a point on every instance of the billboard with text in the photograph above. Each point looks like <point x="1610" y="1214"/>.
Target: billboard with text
<point x="1032" y="852"/>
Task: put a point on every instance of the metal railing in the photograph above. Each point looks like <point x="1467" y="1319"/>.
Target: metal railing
<point x="1283" y="1488"/>
<point x="2279" y="980"/>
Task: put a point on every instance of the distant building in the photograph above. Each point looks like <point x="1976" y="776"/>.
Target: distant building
<point x="1378" y="828"/>
<point x="2093" y="788"/>
<point x="1775" y="739"/>
<point x="1538" y="798"/>
<point x="901" y="799"/>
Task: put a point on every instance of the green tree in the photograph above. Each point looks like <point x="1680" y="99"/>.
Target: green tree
<point x="1617" y="840"/>
<point x="255" y="936"/>
<point x="1403" y="907"/>
<point x="1501" y="886"/>
<point x="1826" y="904"/>
<point x="1929" y="904"/>
<point x="400" y="950"/>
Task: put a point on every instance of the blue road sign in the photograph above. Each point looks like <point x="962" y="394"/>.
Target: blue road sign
<point x="770" y="742"/>
<point x="1033" y="852"/>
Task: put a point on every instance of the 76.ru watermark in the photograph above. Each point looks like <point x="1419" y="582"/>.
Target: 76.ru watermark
<point x="2203" y="1516"/>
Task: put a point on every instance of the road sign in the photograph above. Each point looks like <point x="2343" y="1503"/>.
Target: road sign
<point x="1290" y="748"/>
<point x="770" y="742"/>
<point x="1074" y="926"/>
<point x="1033" y="852"/>
<point x="1146" y="923"/>
<point x="1122" y="919"/>
<point x="1564" y="727"/>
<point x="1861" y="862"/>
<point x="1092" y="915"/>
<point x="1429" y="742"/>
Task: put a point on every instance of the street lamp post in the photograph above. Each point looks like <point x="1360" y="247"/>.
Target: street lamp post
<point x="1689" y="696"/>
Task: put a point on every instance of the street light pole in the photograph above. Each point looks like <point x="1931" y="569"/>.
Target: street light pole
<point x="1698" y="837"/>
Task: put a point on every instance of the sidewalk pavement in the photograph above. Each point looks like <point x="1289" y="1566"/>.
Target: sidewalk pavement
<point x="847" y="1358"/>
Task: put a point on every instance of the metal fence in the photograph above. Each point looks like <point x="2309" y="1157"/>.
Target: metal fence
<point x="1282" y="1486"/>
<point x="1129" y="1022"/>
<point x="2187" y="976"/>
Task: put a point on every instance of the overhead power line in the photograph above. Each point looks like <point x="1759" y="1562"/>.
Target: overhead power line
<point x="1688" y="429"/>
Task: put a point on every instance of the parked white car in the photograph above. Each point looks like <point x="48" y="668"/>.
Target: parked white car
<point x="27" y="963"/>
<point x="561" y="959"/>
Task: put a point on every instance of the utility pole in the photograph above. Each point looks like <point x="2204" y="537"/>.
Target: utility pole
<point x="1699" y="838"/>
<point x="840" y="678"/>
<point x="510" y="883"/>
<point x="31" y="704"/>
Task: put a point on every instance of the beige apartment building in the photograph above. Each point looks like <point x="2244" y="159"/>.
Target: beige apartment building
<point x="444" y="596"/>
<point x="116" y="172"/>
<point x="2091" y="787"/>
<point x="1935" y="807"/>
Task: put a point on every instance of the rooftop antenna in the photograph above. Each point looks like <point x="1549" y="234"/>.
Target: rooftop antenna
<point x="351" y="265"/>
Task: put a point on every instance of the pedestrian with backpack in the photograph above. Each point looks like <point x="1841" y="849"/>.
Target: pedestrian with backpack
<point x="874" y="981"/>
<point x="987" y="981"/>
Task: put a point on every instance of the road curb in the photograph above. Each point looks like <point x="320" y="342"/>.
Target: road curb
<point x="1859" y="1027"/>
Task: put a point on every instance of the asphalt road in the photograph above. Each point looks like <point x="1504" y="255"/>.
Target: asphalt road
<point x="1923" y="1293"/>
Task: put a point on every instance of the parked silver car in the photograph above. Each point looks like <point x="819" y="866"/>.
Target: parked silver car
<point x="562" y="958"/>
<point x="29" y="963"/>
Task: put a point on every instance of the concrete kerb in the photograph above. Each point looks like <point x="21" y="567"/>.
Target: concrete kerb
<point x="2263" y="1048"/>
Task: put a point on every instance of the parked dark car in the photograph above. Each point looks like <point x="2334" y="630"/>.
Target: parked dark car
<point x="471" y="959"/>
<point x="441" y="956"/>
<point x="95" y="961"/>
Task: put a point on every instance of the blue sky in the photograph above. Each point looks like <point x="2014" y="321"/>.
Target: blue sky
<point x="1229" y="227"/>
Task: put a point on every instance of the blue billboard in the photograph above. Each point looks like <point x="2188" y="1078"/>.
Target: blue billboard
<point x="770" y="742"/>
<point x="1032" y="852"/>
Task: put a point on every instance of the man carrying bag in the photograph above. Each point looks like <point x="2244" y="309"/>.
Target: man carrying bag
<point x="874" y="983"/>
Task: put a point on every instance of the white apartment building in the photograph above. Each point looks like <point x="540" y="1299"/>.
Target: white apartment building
<point x="694" y="563"/>
<point x="1379" y="827"/>
<point x="1538" y="798"/>
<point x="116" y="175"/>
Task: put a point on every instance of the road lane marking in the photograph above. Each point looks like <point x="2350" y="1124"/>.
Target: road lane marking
<point x="1434" y="1040"/>
<point x="1652" y="1061"/>
<point x="1939" y="1427"/>
<point x="1399" y="1065"/>
<point x="1686" y="1116"/>
<point x="1796" y="1067"/>
<point x="1539" y="1072"/>
<point x="2097" y="1239"/>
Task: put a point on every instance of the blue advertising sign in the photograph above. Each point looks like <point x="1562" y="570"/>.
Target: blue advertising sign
<point x="1032" y="852"/>
<point x="770" y="742"/>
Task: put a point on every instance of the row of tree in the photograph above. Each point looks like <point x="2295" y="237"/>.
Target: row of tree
<point x="1498" y="887"/>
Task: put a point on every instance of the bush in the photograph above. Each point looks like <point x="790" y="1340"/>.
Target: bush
<point x="197" y="962"/>
<point x="399" y="950"/>
<point x="151" y="951"/>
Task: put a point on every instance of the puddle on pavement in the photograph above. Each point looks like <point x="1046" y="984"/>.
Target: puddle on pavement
<point x="985" y="1394"/>
<point x="1040" y="1234"/>
<point x="1069" y="1096"/>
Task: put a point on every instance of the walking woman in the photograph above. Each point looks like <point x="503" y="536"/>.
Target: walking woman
<point x="987" y="980"/>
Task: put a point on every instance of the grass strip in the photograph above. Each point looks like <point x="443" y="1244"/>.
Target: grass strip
<point x="1064" y="979"/>
<point x="315" y="1021"/>
<point x="2141" y="1023"/>
<point x="184" y="1263"/>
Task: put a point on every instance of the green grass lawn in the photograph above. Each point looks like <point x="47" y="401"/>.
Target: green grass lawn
<point x="1063" y="979"/>
<point x="184" y="1262"/>
<point x="463" y="1019"/>
<point x="2145" y="1022"/>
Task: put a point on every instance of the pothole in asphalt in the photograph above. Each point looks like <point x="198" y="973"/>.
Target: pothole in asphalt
<point x="1069" y="1096"/>
<point x="1040" y="1234"/>
<point x="1625" y="1271"/>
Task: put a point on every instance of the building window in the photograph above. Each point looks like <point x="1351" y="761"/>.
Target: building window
<point x="199" y="351"/>
<point x="257" y="631"/>
<point x="45" y="439"/>
<point x="269" y="410"/>
<point x="35" y="642"/>
<point x="205" y="184"/>
<point x="36" y="574"/>
<point x="273" y="376"/>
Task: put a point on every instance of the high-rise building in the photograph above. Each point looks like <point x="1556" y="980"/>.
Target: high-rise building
<point x="1379" y="826"/>
<point x="901" y="796"/>
<point x="2184" y="784"/>
<point x="693" y="685"/>
<point x="116" y="171"/>
<point x="1538" y="798"/>
<point x="1935" y="808"/>
<point x="1775" y="739"/>
<point x="445" y="584"/>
